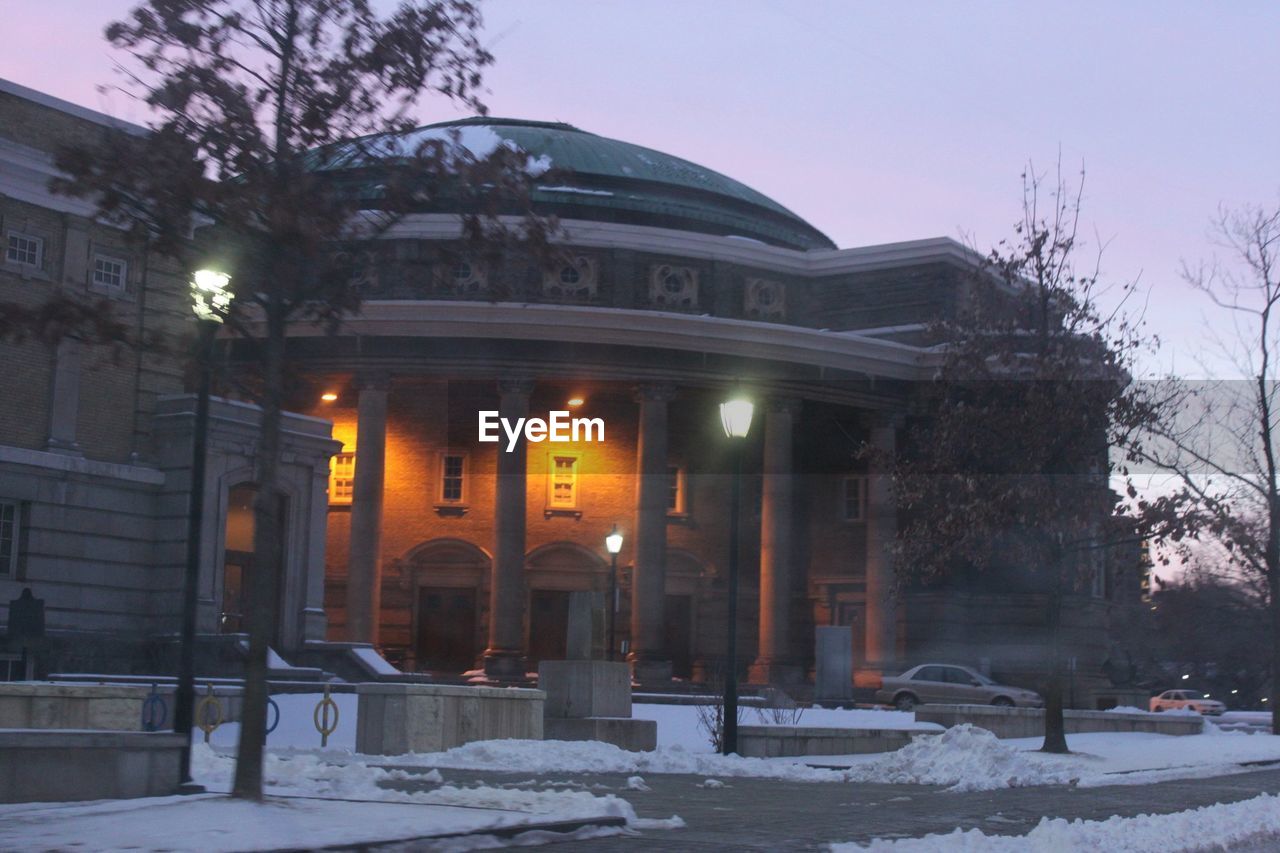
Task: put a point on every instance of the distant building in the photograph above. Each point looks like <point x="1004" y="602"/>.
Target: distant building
<point x="450" y="554"/>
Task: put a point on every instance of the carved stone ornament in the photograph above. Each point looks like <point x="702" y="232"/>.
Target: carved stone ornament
<point x="764" y="300"/>
<point x="673" y="287"/>
<point x="574" y="281"/>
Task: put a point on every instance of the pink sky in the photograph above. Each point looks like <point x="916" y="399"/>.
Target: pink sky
<point x="876" y="124"/>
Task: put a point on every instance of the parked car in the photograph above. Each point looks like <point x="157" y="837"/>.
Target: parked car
<point x="1173" y="700"/>
<point x="952" y="685"/>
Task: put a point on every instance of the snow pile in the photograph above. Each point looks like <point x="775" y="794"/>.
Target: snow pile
<point x="1127" y="709"/>
<point x="1233" y="823"/>
<point x="964" y="758"/>
<point x="310" y="775"/>
<point x="538" y="756"/>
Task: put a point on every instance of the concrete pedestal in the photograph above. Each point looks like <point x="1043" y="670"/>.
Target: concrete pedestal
<point x="393" y="719"/>
<point x="585" y="688"/>
<point x="591" y="700"/>
<point x="67" y="766"/>
<point x="622" y="732"/>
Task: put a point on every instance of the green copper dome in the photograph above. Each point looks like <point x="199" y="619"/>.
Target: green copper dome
<point x="580" y="175"/>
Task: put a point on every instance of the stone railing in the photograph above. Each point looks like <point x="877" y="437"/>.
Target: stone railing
<point x="1029" y="722"/>
<point x="778" y="741"/>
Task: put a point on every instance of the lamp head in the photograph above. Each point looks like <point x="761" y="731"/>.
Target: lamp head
<point x="210" y="298"/>
<point x="613" y="542"/>
<point x="735" y="415"/>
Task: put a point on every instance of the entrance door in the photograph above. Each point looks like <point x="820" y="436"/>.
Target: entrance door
<point x="679" y="634"/>
<point x="446" y="633"/>
<point x="548" y="625"/>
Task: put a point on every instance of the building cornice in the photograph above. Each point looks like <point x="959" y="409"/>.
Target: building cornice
<point x="736" y="250"/>
<point x="659" y="330"/>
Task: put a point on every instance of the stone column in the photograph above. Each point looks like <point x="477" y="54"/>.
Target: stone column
<point x="882" y="525"/>
<point x="774" y="664"/>
<point x="648" y="654"/>
<point x="364" y="594"/>
<point x="504" y="658"/>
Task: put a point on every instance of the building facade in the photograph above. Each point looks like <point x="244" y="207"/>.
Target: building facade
<point x="678" y="288"/>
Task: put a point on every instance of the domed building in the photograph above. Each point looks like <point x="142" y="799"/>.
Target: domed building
<point x="417" y="524"/>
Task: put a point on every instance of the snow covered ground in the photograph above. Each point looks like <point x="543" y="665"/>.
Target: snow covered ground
<point x="1211" y="827"/>
<point x="963" y="758"/>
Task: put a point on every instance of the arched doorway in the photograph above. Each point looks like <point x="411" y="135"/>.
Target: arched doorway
<point x="448" y="578"/>
<point x="553" y="572"/>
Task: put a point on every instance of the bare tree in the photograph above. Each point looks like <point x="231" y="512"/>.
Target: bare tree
<point x="1225" y="448"/>
<point x="1005" y="482"/>
<point x="263" y="108"/>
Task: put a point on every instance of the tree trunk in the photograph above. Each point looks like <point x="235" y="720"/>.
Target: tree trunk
<point x="1055" y="728"/>
<point x="267" y="565"/>
<point x="1274" y="697"/>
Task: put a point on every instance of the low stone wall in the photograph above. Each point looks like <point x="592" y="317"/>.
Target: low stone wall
<point x="779" y="741"/>
<point x="64" y="766"/>
<point x="1029" y="722"/>
<point x="393" y="719"/>
<point x="114" y="707"/>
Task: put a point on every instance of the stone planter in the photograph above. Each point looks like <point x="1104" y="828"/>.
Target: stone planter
<point x="397" y="718"/>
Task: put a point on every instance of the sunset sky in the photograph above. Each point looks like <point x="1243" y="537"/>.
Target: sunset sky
<point x="877" y="122"/>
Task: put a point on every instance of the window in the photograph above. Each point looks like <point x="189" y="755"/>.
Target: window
<point x="453" y="478"/>
<point x="8" y="539"/>
<point x="562" y="485"/>
<point x="853" y="492"/>
<point x="110" y="272"/>
<point x="676" y="490"/>
<point x="24" y="249"/>
<point x="342" y="477"/>
<point x="929" y="673"/>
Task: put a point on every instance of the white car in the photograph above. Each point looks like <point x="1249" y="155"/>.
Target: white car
<point x="1176" y="700"/>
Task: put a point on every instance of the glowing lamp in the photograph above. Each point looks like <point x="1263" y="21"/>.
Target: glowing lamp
<point x="735" y="415"/>
<point x="328" y="396"/>
<point x="575" y="402"/>
<point x="210" y="298"/>
<point x="613" y="542"/>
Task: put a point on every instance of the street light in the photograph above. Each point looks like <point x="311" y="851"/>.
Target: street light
<point x="735" y="417"/>
<point x="613" y="543"/>
<point x="210" y="300"/>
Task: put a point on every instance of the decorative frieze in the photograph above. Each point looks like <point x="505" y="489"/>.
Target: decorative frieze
<point x="673" y="287"/>
<point x="577" y="280"/>
<point x="764" y="299"/>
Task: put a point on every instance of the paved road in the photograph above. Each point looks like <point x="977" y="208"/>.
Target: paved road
<point x="756" y="814"/>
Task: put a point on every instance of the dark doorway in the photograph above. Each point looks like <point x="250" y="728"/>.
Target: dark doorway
<point x="238" y="562"/>
<point x="446" y="634"/>
<point x="548" y="625"/>
<point x="679" y="634"/>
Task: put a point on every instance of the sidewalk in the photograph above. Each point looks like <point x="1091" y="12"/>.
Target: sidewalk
<point x="214" y="822"/>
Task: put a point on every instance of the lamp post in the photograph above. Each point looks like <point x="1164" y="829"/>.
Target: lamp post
<point x="613" y="543"/>
<point x="210" y="300"/>
<point x="735" y="416"/>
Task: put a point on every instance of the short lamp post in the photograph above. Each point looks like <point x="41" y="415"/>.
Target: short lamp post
<point x="735" y="416"/>
<point x="613" y="543"/>
<point x="210" y="300"/>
